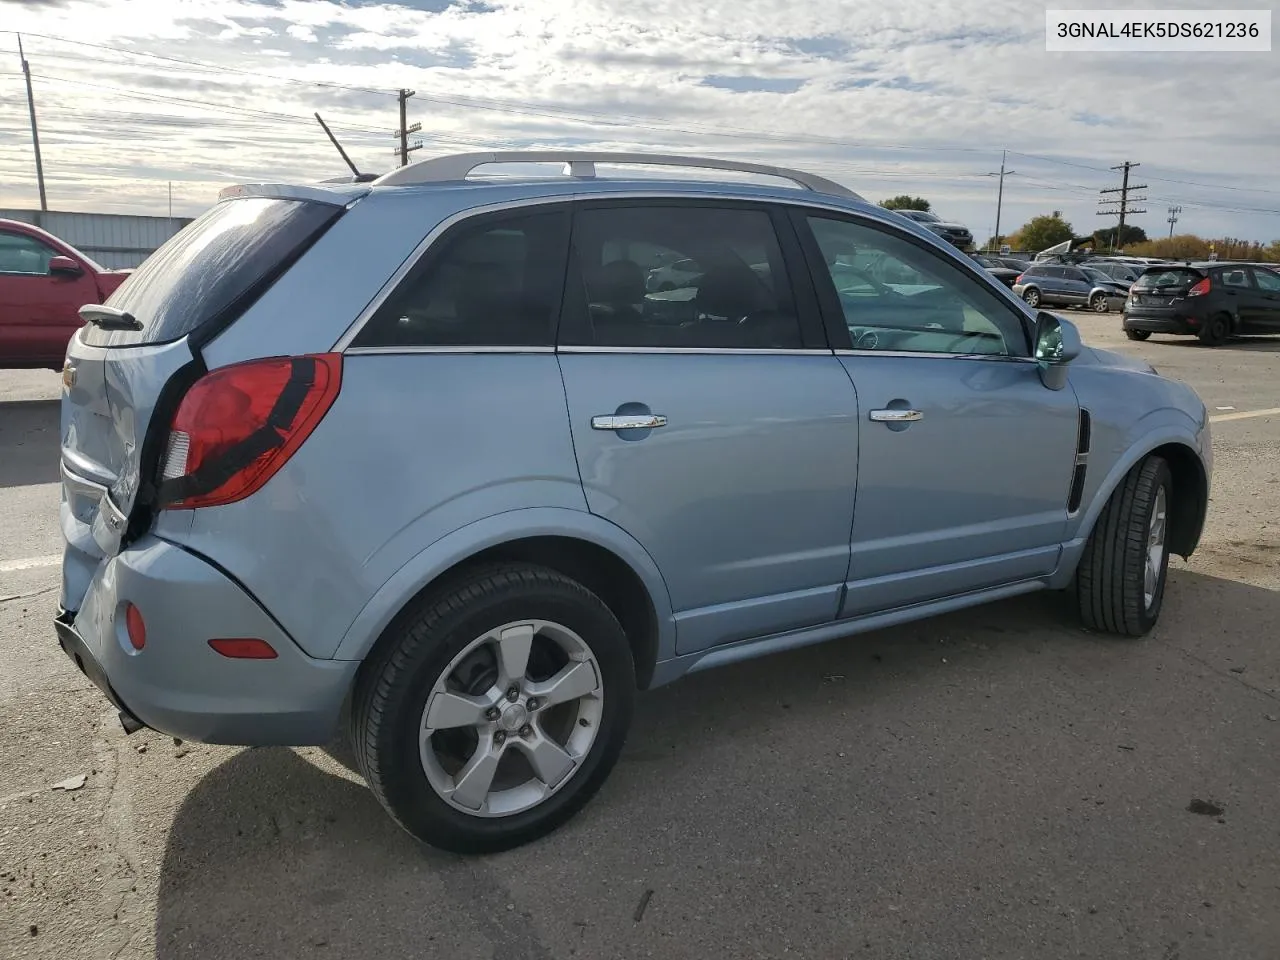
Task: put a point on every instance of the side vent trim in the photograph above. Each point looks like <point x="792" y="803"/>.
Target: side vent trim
<point x="1084" y="437"/>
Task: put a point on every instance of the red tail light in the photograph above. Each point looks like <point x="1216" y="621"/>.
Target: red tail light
<point x="1019" y="278"/>
<point x="1200" y="289"/>
<point x="238" y="425"/>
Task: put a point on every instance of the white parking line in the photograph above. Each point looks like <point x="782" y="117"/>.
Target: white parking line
<point x="30" y="563"/>
<point x="1246" y="415"/>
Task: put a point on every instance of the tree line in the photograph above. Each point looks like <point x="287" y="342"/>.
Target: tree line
<point x="1040" y="233"/>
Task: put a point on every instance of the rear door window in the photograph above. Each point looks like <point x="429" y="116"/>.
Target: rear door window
<point x="1236" y="278"/>
<point x="725" y="286"/>
<point x="213" y="269"/>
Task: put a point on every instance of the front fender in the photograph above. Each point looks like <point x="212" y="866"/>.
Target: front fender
<point x="492" y="531"/>
<point x="1168" y="425"/>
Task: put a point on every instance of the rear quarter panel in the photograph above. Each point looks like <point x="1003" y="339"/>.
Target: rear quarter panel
<point x="416" y="446"/>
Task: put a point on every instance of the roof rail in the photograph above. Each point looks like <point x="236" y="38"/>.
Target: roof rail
<point x="583" y="164"/>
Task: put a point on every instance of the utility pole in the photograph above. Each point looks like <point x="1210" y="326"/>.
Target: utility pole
<point x="403" y="133"/>
<point x="35" y="133"/>
<point x="1004" y="156"/>
<point x="1173" y="218"/>
<point x="1124" y="189"/>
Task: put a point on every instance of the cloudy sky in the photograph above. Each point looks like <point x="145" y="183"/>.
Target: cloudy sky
<point x="914" y="96"/>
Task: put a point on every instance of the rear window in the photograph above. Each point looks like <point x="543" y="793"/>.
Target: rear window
<point x="212" y="270"/>
<point x="1169" y="277"/>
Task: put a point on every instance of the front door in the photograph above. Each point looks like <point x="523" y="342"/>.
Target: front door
<point x="965" y="458"/>
<point x="710" y="419"/>
<point x="38" y="309"/>
<point x="1267" y="298"/>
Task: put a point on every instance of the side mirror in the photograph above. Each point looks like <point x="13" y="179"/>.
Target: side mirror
<point x="65" y="266"/>
<point x="1057" y="343"/>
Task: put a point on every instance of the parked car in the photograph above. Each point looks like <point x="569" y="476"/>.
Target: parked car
<point x="997" y="269"/>
<point x="1013" y="263"/>
<point x="372" y="464"/>
<point x="1127" y="273"/>
<point x="955" y="233"/>
<point x="1211" y="300"/>
<point x="43" y="282"/>
<point x="1058" y="284"/>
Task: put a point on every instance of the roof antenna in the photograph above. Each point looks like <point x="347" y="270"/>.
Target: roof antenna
<point x="356" y="175"/>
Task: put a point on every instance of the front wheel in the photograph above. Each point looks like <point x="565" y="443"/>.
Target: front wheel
<point x="496" y="709"/>
<point x="1121" y="577"/>
<point x="1032" y="297"/>
<point x="1138" y="334"/>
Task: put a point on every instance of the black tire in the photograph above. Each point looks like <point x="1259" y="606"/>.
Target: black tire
<point x="1216" y="330"/>
<point x="1109" y="580"/>
<point x="1098" y="303"/>
<point x="1138" y="334"/>
<point x="1031" y="296"/>
<point x="392" y="691"/>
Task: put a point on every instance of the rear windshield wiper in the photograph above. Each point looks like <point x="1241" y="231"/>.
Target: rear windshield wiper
<point x="109" y="318"/>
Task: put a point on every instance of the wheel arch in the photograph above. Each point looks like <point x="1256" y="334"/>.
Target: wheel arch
<point x="579" y="545"/>
<point x="1190" y="495"/>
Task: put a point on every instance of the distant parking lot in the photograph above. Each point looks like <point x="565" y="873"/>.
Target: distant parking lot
<point x="995" y="784"/>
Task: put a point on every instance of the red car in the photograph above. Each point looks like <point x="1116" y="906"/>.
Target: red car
<point x="43" y="284"/>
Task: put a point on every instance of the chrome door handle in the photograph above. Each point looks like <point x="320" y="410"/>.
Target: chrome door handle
<point x="643" y="421"/>
<point x="896" y="416"/>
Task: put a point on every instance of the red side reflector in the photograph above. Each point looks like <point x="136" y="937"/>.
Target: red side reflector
<point x="244" y="648"/>
<point x="135" y="626"/>
<point x="1200" y="289"/>
<point x="238" y="425"/>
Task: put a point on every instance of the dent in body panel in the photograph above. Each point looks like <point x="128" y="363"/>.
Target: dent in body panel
<point x="415" y="447"/>
<point x="744" y="496"/>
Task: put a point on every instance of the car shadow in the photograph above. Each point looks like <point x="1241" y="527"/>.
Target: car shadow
<point x="280" y="853"/>
<point x="29" y="432"/>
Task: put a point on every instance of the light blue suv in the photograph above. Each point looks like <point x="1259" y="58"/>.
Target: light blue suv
<point x="423" y="460"/>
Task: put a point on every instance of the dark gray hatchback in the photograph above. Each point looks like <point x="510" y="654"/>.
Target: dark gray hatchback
<point x="1210" y="300"/>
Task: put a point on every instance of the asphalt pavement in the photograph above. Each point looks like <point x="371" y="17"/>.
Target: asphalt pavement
<point x="994" y="784"/>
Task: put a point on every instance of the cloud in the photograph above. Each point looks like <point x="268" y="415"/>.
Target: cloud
<point x="919" y="96"/>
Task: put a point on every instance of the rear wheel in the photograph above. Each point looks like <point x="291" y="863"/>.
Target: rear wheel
<point x="1137" y="334"/>
<point x="1216" y="330"/>
<point x="496" y="711"/>
<point x="1121" y="578"/>
<point x="1098" y="303"/>
<point x="1031" y="296"/>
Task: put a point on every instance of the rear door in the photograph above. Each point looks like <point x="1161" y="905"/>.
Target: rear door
<point x="1076" y="285"/>
<point x="711" y="422"/>
<point x="37" y="307"/>
<point x="1268" y="284"/>
<point x="117" y="380"/>
<point x="1241" y="297"/>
